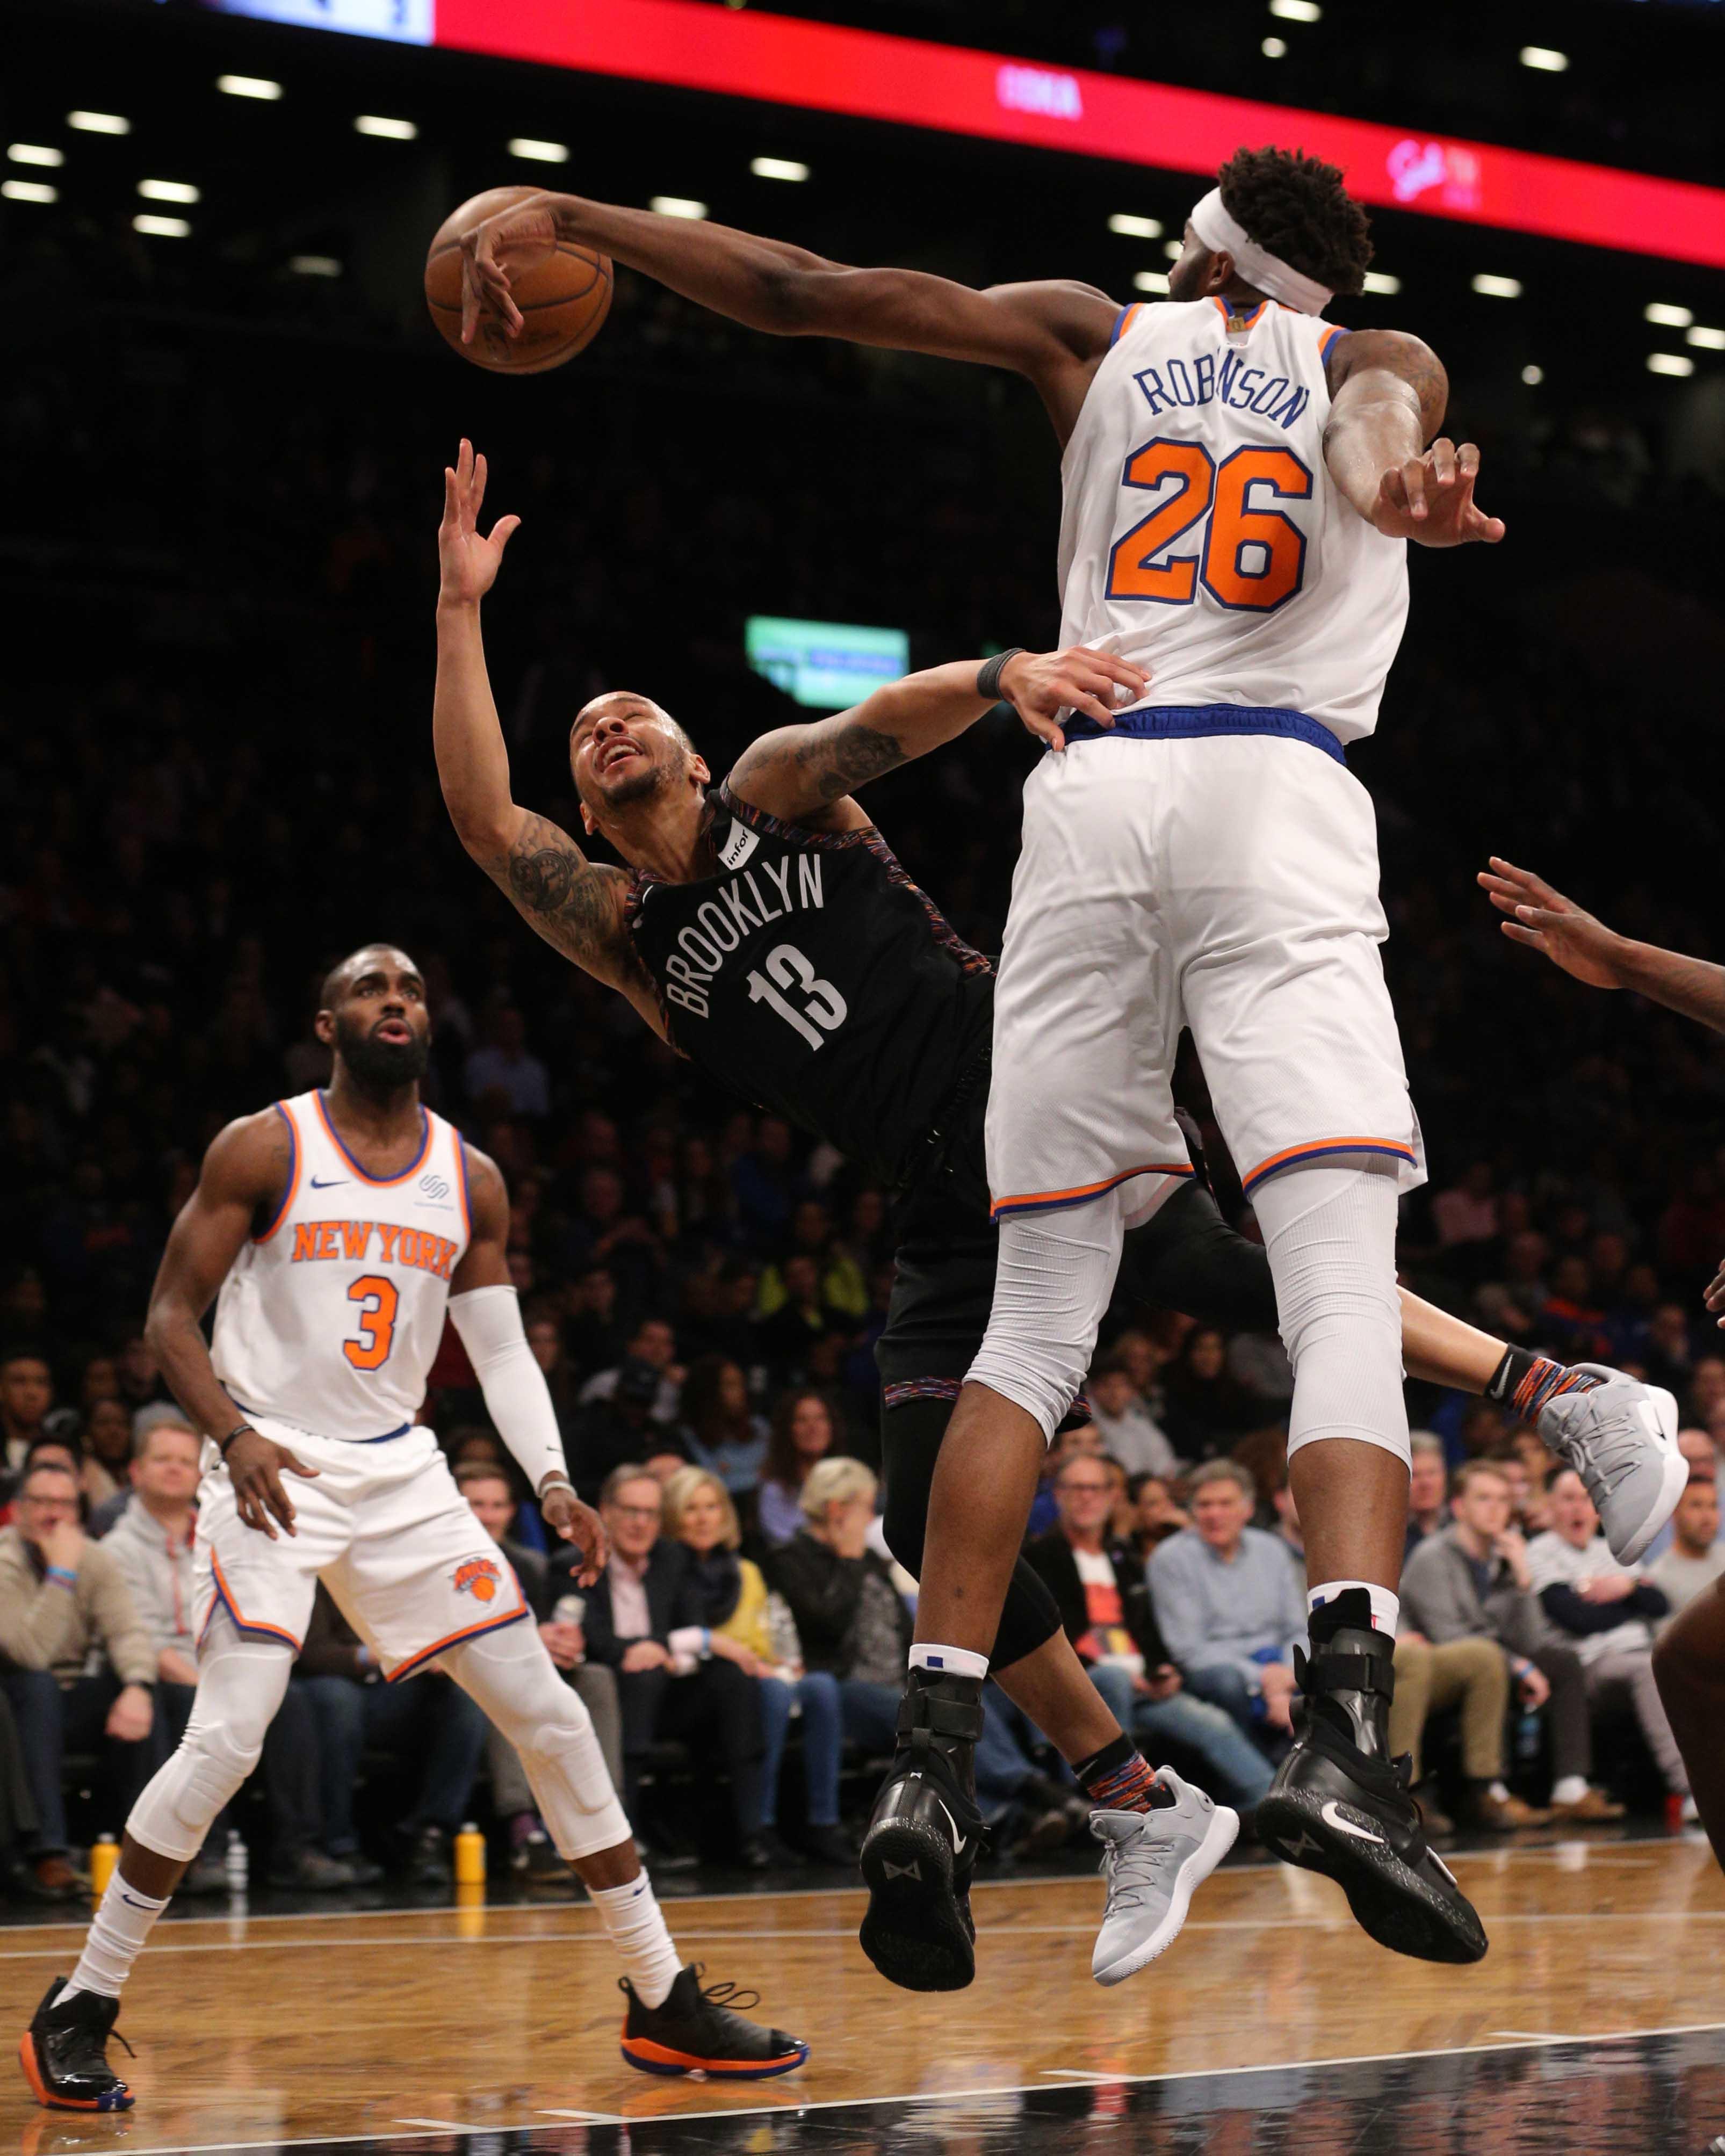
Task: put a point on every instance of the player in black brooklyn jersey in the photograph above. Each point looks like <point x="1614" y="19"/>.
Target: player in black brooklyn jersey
<point x="764" y="928"/>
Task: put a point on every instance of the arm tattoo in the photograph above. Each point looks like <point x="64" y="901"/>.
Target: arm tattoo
<point x="850" y="757"/>
<point x="574" y="903"/>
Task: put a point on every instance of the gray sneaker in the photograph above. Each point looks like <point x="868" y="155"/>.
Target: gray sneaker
<point x="1153" y="1862"/>
<point x="1621" y="1439"/>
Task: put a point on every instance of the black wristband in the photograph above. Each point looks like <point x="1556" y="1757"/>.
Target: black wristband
<point x="238" y="1430"/>
<point x="988" y="674"/>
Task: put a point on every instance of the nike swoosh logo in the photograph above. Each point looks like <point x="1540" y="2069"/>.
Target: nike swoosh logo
<point x="328" y="1183"/>
<point x="127" y="1897"/>
<point x="1331" y="1815"/>
<point x="958" y="1838"/>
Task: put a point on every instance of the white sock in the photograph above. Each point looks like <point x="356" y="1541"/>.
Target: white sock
<point x="1500" y="1790"/>
<point x="1386" y="1607"/>
<point x="1570" y="1790"/>
<point x="953" y="1662"/>
<point x="123" y="1921"/>
<point x="631" y="1915"/>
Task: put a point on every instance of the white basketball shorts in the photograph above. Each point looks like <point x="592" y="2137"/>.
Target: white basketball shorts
<point x="382" y="1525"/>
<point x="1225" y="883"/>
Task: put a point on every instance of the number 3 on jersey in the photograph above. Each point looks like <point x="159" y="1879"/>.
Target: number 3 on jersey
<point x="377" y="1323"/>
<point x="1253" y="557"/>
<point x="787" y="968"/>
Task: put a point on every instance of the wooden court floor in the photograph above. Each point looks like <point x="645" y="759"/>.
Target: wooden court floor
<point x="426" y="2028"/>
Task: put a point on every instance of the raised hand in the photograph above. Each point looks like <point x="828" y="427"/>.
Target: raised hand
<point x="468" y="563"/>
<point x="1429" y="499"/>
<point x="514" y="237"/>
<point x="1039" y="684"/>
<point x="1545" y="921"/>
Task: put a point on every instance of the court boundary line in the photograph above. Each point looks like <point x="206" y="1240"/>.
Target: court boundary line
<point x="1081" y="2078"/>
<point x="1548" y="1851"/>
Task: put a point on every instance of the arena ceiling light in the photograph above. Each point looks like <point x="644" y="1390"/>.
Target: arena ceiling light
<point x="1544" y="60"/>
<point x="1381" y="282"/>
<point x="1666" y="317"/>
<point x="314" y="265"/>
<point x="34" y="153"/>
<point x="173" y="191"/>
<point x="1135" y="227"/>
<point x="1669" y="363"/>
<point x="1275" y="48"/>
<point x="778" y="168"/>
<point x="100" y="123"/>
<point x="1532" y="376"/>
<point x="1708" y="340"/>
<point x="1173" y="248"/>
<point x="1151" y="281"/>
<point x="35" y="191"/>
<point x="1295" y="11"/>
<point x="538" y="152"/>
<point x="389" y="130"/>
<point x="676" y="205"/>
<point x="162" y="228"/>
<point x="1498" y="288"/>
<point x="248" y="85"/>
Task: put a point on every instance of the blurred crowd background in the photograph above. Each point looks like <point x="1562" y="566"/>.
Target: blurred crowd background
<point x="218" y="538"/>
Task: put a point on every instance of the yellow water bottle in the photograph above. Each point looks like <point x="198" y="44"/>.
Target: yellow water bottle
<point x="103" y="1858"/>
<point x="469" y="1857"/>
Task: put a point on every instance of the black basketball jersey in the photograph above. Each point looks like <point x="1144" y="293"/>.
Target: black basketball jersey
<point x="812" y="977"/>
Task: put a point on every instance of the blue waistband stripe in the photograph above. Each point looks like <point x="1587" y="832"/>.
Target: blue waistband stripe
<point x="400" y="1428"/>
<point x="1199" y="721"/>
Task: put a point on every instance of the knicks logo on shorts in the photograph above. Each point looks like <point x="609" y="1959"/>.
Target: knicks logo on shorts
<point x="479" y="1577"/>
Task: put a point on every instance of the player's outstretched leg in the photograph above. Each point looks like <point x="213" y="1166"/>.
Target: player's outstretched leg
<point x="240" y="1685"/>
<point x="1339" y="1804"/>
<point x="673" y="2023"/>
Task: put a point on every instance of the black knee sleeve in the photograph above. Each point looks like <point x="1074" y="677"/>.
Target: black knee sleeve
<point x="1186" y="1257"/>
<point x="909" y="1445"/>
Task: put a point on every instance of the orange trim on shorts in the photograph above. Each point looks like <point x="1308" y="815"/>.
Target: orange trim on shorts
<point x="454" y="1638"/>
<point x="296" y="1163"/>
<point x="1317" y="1149"/>
<point x="1035" y="1201"/>
<point x="224" y="1595"/>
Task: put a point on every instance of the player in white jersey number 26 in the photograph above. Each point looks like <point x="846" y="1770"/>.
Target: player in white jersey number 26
<point x="340" y="1229"/>
<point x="1240" y="478"/>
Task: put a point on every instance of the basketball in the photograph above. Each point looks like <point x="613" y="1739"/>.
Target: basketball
<point x="563" y="292"/>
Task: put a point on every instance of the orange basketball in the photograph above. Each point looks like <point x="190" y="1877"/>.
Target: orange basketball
<point x="563" y="292"/>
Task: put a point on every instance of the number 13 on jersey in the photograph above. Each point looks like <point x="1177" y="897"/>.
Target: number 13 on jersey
<point x="1253" y="557"/>
<point x="787" y="967"/>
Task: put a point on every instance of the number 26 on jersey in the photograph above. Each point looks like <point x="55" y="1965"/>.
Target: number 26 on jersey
<point x="1250" y="556"/>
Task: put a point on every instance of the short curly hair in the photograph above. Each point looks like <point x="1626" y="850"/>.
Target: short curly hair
<point x="1298" y="208"/>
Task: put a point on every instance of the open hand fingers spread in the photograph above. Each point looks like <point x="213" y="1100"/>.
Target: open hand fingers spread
<point x="479" y="471"/>
<point x="1517" y="934"/>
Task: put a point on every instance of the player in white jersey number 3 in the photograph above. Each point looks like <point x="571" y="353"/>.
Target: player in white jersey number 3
<point x="340" y="1229"/>
<point x="1240" y="479"/>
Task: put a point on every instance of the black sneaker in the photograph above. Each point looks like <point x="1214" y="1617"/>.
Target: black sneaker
<point x="431" y="1858"/>
<point x="65" y="2053"/>
<point x="922" y="1839"/>
<point x="1341" y="1806"/>
<point x="698" y="2031"/>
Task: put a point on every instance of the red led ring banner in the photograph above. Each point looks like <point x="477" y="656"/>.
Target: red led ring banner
<point x="782" y="61"/>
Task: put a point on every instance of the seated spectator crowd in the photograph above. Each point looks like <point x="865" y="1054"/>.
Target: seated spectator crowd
<point x="746" y="1643"/>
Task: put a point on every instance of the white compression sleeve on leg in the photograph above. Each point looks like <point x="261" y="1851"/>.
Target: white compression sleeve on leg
<point x="1052" y="1283"/>
<point x="512" y="1678"/>
<point x="1330" y="1234"/>
<point x="241" y="1683"/>
<point x="489" y="1320"/>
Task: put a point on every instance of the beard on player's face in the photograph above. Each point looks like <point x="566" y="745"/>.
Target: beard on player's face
<point x="382" y="1065"/>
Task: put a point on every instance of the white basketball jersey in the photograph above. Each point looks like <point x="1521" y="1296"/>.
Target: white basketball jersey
<point x="331" y="1318"/>
<point x="1201" y="535"/>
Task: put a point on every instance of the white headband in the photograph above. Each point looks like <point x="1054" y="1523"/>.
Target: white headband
<point x="1260" y="268"/>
